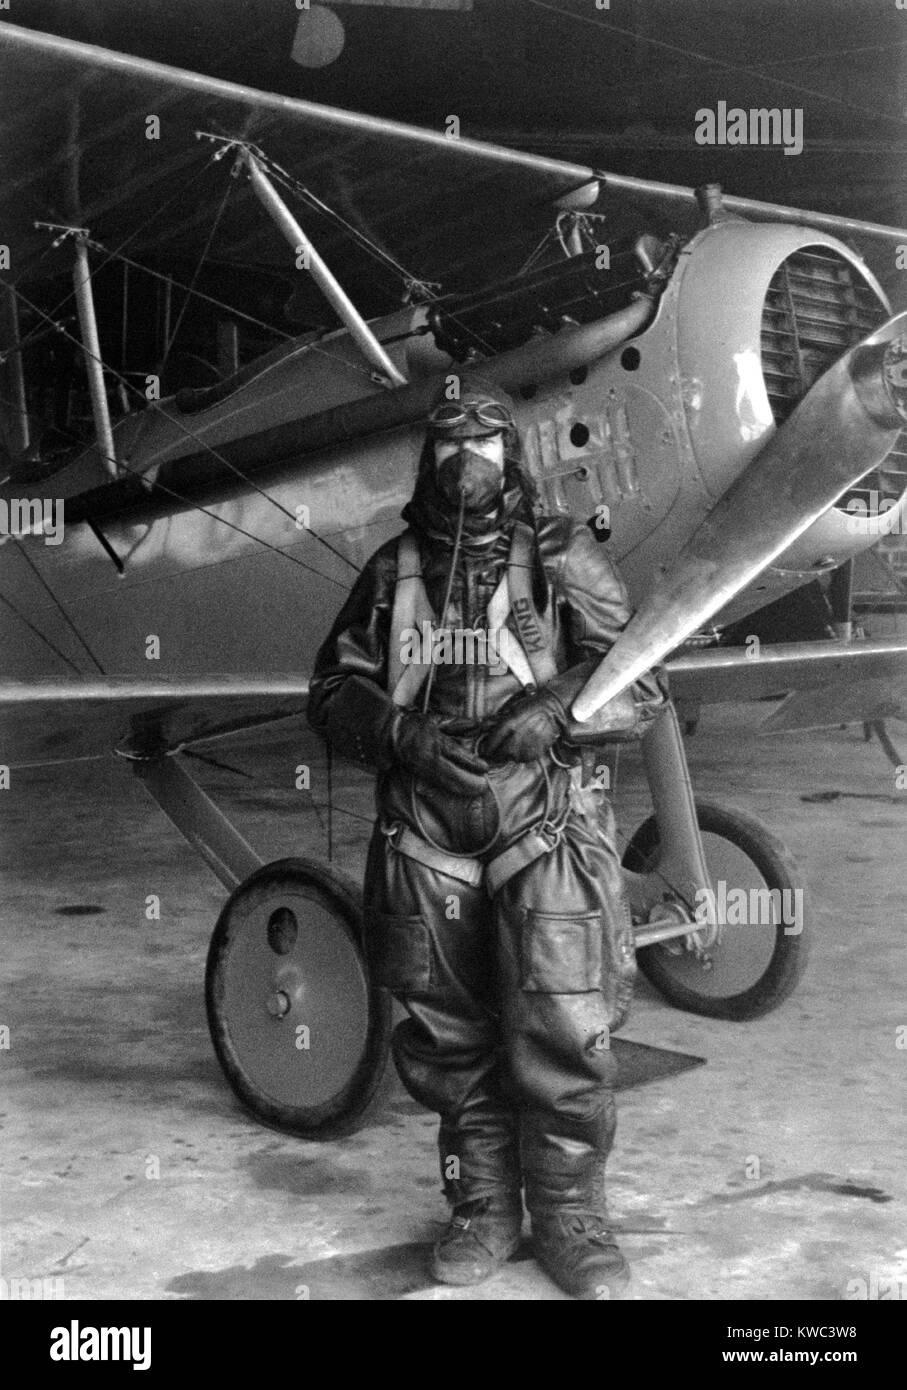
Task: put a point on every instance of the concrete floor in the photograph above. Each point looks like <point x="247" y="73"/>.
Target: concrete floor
<point x="127" y="1170"/>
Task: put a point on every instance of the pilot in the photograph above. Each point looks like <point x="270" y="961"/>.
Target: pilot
<point x="494" y="903"/>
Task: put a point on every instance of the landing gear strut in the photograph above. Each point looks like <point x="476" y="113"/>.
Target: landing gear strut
<point x="692" y="855"/>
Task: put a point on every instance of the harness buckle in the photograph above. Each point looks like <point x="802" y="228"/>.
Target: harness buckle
<point x="391" y="830"/>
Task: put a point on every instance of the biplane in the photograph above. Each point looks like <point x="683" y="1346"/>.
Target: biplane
<point x="712" y="399"/>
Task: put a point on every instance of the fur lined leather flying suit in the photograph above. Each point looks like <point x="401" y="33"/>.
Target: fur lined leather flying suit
<point x="511" y="998"/>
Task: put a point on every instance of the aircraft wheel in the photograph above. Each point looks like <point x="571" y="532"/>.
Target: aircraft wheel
<point x="301" y="1033"/>
<point x="753" y="967"/>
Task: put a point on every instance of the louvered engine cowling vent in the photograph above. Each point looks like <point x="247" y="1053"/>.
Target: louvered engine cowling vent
<point x="816" y="307"/>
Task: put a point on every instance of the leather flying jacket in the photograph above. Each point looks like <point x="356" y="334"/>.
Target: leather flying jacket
<point x="580" y="599"/>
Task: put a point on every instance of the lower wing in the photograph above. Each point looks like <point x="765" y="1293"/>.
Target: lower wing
<point x="825" y="683"/>
<point x="61" y="721"/>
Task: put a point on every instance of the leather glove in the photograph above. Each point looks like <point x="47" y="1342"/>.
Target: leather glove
<point x="418" y="744"/>
<point x="531" y="725"/>
<point x="365" y="725"/>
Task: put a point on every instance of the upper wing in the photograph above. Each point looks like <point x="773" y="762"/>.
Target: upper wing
<point x="74" y="149"/>
<point x="826" y="683"/>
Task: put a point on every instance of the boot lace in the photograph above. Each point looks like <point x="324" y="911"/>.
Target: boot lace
<point x="590" y="1225"/>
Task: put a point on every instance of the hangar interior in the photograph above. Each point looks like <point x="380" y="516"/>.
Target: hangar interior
<point x="756" y="1157"/>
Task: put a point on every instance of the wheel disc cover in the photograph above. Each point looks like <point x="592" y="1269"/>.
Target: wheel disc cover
<point x="744" y="952"/>
<point x="292" y="994"/>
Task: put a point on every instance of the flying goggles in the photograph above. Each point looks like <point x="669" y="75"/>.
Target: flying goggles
<point x="482" y="417"/>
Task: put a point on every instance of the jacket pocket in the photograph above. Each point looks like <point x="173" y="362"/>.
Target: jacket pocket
<point x="399" y="952"/>
<point x="561" y="952"/>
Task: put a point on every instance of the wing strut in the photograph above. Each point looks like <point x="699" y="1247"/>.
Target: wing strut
<point x="91" y="343"/>
<point x="198" y="819"/>
<point x="88" y="329"/>
<point x="19" y="435"/>
<point x="322" y="275"/>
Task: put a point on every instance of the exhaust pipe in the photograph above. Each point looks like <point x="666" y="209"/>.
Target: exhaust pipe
<point x="198" y="476"/>
<point x="843" y="427"/>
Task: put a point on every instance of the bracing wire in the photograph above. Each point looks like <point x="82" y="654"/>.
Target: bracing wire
<point x="192" y="178"/>
<point x="606" y="27"/>
<point x="57" y="604"/>
<point x="41" y="636"/>
<point x="191" y="434"/>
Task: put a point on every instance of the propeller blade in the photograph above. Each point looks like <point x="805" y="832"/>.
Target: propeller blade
<point x="843" y="427"/>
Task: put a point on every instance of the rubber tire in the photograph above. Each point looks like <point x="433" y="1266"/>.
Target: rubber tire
<point x="340" y="1116"/>
<point x="779" y="869"/>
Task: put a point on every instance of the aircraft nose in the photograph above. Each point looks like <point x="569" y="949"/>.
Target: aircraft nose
<point x="879" y="373"/>
<point x="844" y="426"/>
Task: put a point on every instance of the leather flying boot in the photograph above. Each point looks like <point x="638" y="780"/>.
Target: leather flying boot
<point x="564" y="1168"/>
<point x="482" y="1234"/>
<point x="480" y="1145"/>
<point x="578" y="1252"/>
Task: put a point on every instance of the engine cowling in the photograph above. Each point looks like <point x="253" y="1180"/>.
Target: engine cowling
<point x="753" y="315"/>
<point x="773" y="309"/>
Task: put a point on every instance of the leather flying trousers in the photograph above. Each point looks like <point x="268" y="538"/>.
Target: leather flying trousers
<point x="511" y="1001"/>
